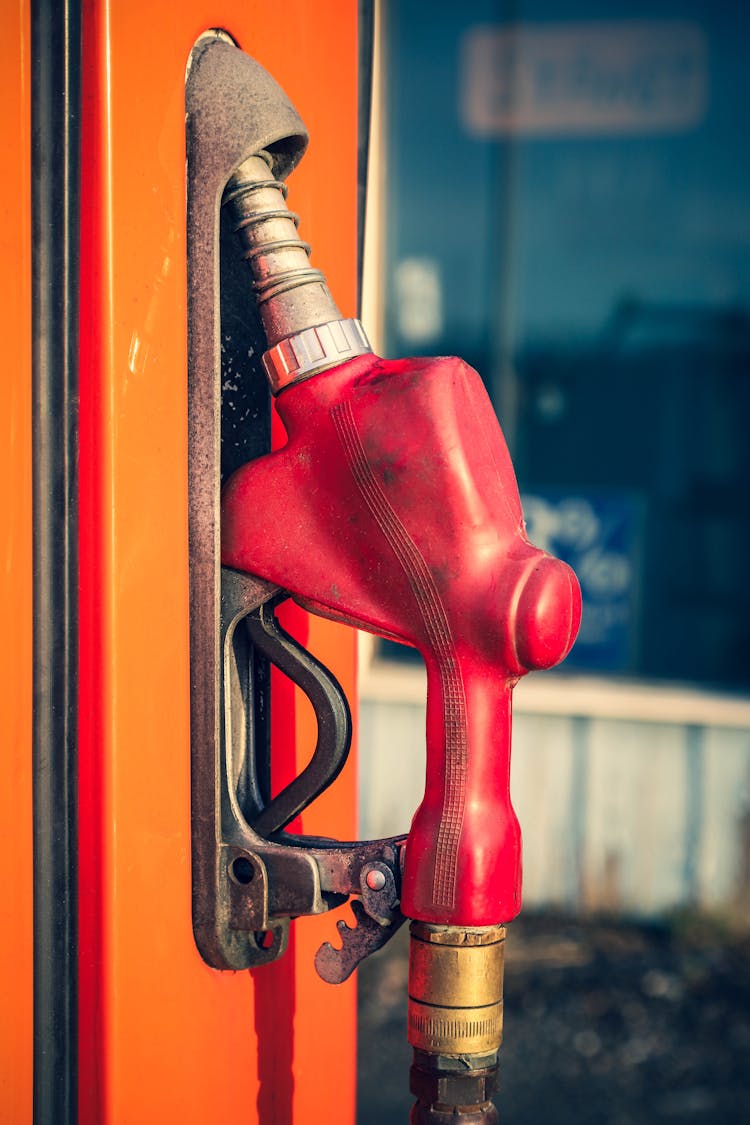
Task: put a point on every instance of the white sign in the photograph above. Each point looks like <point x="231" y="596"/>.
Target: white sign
<point x="631" y="76"/>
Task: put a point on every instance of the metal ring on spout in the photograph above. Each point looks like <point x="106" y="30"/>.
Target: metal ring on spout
<point x="307" y="353"/>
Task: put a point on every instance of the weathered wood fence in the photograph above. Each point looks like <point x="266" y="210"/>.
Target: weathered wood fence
<point x="632" y="800"/>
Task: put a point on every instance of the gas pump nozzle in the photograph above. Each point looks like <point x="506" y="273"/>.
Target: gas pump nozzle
<point x="393" y="506"/>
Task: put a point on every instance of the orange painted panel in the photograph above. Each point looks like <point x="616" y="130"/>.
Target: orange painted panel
<point x="16" y="907"/>
<point x="166" y="1038"/>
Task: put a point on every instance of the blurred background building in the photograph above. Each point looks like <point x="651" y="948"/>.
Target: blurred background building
<point x="561" y="195"/>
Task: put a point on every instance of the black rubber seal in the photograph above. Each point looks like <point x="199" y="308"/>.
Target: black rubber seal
<point x="366" y="48"/>
<point x="55" y="120"/>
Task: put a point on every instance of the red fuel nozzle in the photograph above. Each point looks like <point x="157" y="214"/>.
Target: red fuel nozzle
<point x="394" y="507"/>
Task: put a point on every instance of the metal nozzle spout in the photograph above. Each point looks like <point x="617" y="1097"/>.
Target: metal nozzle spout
<point x="305" y="330"/>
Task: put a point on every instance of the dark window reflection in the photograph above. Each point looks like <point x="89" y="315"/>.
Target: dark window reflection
<point x="568" y="209"/>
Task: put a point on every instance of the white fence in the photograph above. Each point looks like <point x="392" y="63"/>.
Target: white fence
<point x="632" y="801"/>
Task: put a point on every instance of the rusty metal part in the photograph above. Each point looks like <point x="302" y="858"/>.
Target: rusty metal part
<point x="294" y="875"/>
<point x="271" y="881"/>
<point x="428" y="1115"/>
<point x="422" y="1114"/>
<point x="305" y="330"/>
<point x="247" y="887"/>
<point x="357" y="942"/>
<point x="234" y="109"/>
<point x="377" y="918"/>
<point x="450" y="1091"/>
<point x="465" y="1085"/>
<point x="455" y="1021"/>
<point x="260" y="883"/>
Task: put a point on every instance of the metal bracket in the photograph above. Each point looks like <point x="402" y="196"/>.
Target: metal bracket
<point x="233" y="110"/>
<point x="263" y="876"/>
<point x="249" y="877"/>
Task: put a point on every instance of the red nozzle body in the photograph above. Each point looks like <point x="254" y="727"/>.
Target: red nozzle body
<point x="394" y="507"/>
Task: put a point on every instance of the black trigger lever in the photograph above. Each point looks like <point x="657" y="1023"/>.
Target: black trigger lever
<point x="331" y="712"/>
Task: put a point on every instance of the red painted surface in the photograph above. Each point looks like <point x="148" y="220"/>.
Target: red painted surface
<point x="92" y="1055"/>
<point x="394" y="506"/>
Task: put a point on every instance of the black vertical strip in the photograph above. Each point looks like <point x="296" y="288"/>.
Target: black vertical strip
<point x="56" y="48"/>
<point x="366" y="26"/>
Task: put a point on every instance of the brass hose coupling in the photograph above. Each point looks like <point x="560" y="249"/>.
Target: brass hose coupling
<point x="455" y="1022"/>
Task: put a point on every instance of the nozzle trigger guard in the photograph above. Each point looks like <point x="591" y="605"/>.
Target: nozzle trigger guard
<point x="263" y="876"/>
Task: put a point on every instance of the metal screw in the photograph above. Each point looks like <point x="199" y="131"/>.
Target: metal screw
<point x="375" y="879"/>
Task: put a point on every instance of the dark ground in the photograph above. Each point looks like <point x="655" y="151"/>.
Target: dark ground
<point x="605" y="1024"/>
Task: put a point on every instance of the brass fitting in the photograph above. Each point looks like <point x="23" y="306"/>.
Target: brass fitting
<point x="455" y="989"/>
<point x="455" y="1021"/>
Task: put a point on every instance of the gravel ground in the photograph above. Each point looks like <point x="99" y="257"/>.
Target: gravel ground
<point x="605" y="1024"/>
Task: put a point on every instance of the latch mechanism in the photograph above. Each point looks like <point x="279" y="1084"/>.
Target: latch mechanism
<point x="265" y="877"/>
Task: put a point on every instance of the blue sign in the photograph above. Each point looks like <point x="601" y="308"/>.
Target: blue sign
<point x="600" y="534"/>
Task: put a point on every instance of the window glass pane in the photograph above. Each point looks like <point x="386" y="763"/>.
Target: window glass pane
<point x="568" y="210"/>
